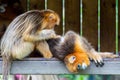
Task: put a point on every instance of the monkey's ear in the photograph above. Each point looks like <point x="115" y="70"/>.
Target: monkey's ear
<point x="72" y="59"/>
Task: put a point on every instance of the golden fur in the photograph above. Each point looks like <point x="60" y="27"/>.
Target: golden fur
<point x="24" y="32"/>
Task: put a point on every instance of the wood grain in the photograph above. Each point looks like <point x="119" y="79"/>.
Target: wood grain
<point x="39" y="66"/>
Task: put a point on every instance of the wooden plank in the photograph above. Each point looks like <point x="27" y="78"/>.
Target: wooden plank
<point x="56" y="5"/>
<point x="90" y="21"/>
<point x="3" y="25"/>
<point x="72" y="15"/>
<point x="13" y="9"/>
<point x="107" y="25"/>
<point x="119" y="24"/>
<point x="24" y="5"/>
<point x="112" y="66"/>
<point x="119" y="41"/>
<point x="37" y="4"/>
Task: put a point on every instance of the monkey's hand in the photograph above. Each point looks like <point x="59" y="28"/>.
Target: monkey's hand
<point x="76" y="62"/>
<point x="58" y="36"/>
<point x="48" y="34"/>
<point x="97" y="58"/>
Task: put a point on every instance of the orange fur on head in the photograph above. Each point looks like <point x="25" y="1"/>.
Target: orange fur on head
<point x="76" y="61"/>
<point x="51" y="20"/>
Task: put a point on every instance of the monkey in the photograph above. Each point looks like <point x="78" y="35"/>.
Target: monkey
<point x="76" y="52"/>
<point x="25" y="33"/>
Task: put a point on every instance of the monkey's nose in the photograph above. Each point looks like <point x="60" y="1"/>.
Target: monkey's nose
<point x="81" y="67"/>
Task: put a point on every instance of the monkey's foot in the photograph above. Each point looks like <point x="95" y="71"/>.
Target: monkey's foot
<point x="76" y="62"/>
<point x="48" y="55"/>
<point x="97" y="58"/>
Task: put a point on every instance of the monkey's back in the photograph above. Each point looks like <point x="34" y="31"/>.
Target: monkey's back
<point x="21" y="24"/>
<point x="70" y="43"/>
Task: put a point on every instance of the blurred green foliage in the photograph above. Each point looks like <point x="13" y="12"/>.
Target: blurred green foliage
<point x="86" y="77"/>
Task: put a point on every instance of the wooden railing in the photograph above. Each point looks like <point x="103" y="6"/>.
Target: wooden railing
<point x="54" y="66"/>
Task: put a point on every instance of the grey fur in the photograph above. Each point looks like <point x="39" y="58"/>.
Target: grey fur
<point x="63" y="46"/>
<point x="60" y="48"/>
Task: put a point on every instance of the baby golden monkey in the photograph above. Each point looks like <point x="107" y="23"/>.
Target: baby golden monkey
<point x="26" y="32"/>
<point x="76" y="52"/>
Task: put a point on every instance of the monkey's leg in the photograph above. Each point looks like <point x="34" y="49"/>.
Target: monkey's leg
<point x="107" y="55"/>
<point x="44" y="49"/>
<point x="21" y="50"/>
<point x="94" y="55"/>
<point x="41" y="35"/>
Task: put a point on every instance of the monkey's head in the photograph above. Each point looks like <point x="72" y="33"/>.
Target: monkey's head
<point x="76" y="62"/>
<point x="50" y="19"/>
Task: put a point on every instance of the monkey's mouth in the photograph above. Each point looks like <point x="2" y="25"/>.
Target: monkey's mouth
<point x="76" y="68"/>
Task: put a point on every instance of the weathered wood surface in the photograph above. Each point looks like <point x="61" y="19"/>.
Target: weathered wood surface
<point x="54" y="66"/>
<point x="72" y="15"/>
<point x="90" y="21"/>
<point x="56" y="5"/>
<point x="36" y="4"/>
<point x="118" y="24"/>
<point x="107" y="22"/>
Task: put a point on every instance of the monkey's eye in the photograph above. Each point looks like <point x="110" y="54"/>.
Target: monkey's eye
<point x="51" y="17"/>
<point x="72" y="59"/>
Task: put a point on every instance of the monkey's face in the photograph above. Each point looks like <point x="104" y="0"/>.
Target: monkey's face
<point x="76" y="62"/>
<point x="51" y="19"/>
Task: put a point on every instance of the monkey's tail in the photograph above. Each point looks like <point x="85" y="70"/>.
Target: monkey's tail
<point x="6" y="67"/>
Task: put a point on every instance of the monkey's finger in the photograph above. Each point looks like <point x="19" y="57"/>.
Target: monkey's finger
<point x="102" y="64"/>
<point x="99" y="64"/>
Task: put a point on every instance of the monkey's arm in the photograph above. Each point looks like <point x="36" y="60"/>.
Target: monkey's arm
<point x="43" y="48"/>
<point x="94" y="55"/>
<point x="99" y="55"/>
<point x="41" y="35"/>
